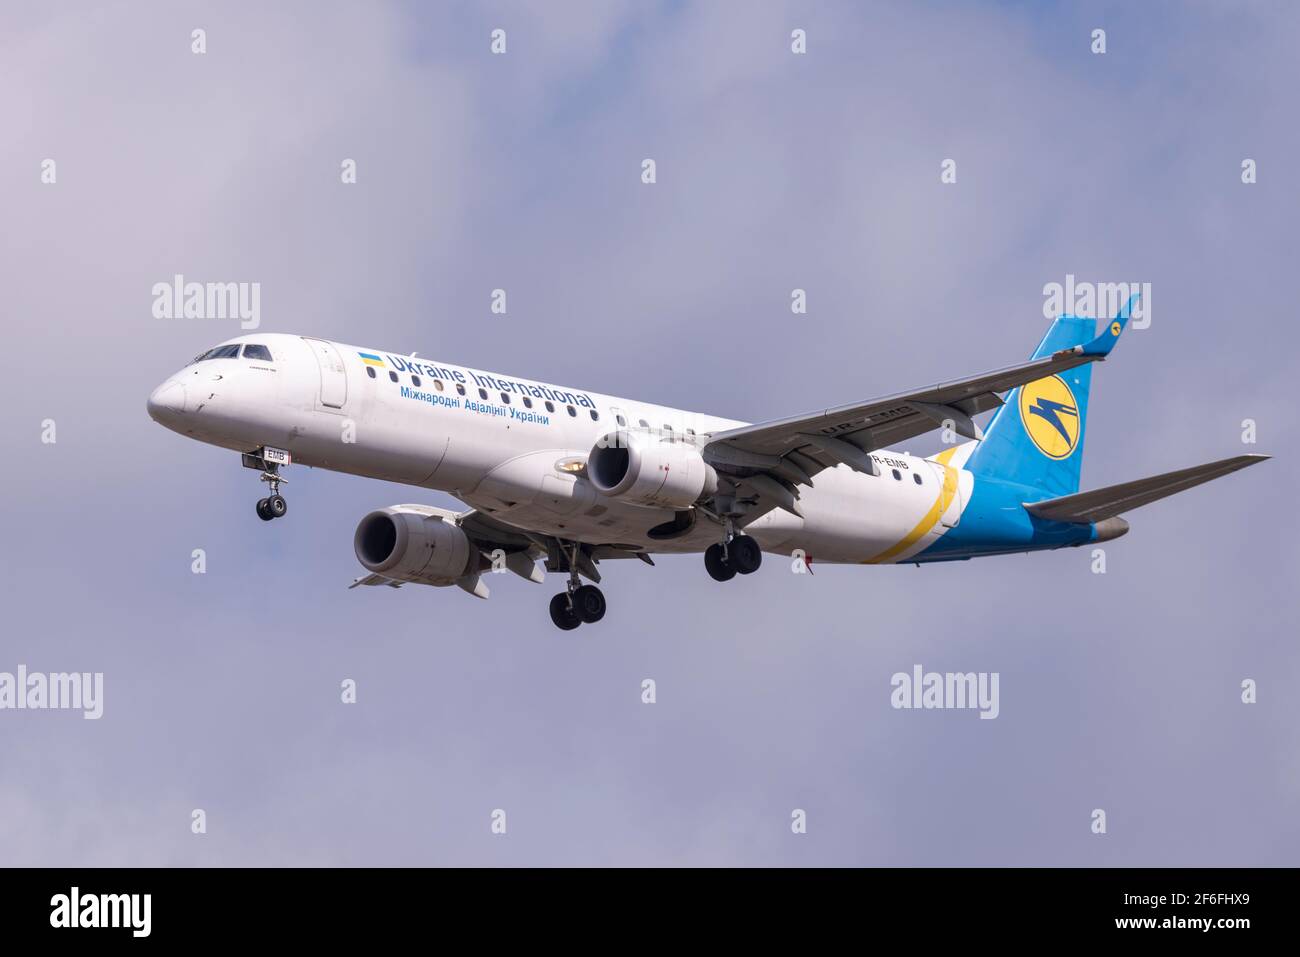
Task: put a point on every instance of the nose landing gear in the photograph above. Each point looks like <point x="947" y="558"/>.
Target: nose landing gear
<point x="274" y="505"/>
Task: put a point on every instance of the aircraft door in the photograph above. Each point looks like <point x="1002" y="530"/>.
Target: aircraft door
<point x="333" y="374"/>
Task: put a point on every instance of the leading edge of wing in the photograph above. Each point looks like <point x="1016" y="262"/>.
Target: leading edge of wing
<point x="967" y="396"/>
<point x="954" y="401"/>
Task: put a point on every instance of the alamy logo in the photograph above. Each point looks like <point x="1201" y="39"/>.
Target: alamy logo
<point x="77" y="690"/>
<point x="179" y="299"/>
<point x="102" y="910"/>
<point x="1097" y="300"/>
<point x="933" y="689"/>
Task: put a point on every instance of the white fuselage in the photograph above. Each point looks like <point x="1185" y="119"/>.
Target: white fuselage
<point x="331" y="408"/>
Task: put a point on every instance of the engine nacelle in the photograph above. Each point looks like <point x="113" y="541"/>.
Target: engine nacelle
<point x="648" y="469"/>
<point x="412" y="544"/>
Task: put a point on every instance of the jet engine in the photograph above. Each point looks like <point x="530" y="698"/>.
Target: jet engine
<point x="644" y="468"/>
<point x="410" y="543"/>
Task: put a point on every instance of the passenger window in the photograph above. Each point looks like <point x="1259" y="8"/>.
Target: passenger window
<point x="528" y="403"/>
<point x="437" y="384"/>
<point x="460" y="389"/>
<point x="690" y="432"/>
<point x="643" y="423"/>
<point x="572" y="411"/>
<point x="392" y="375"/>
<point x="482" y="393"/>
<point x="916" y="477"/>
<point x="370" y="371"/>
<point x="898" y="475"/>
<point x="621" y="421"/>
<point x="415" y="381"/>
<point x="595" y="416"/>
<point x="550" y="407"/>
<point x="505" y="398"/>
<point x="667" y="427"/>
<point x="255" y="350"/>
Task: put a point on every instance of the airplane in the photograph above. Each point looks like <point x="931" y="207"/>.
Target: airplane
<point x="571" y="479"/>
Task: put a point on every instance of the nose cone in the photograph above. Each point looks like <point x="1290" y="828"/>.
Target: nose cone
<point x="167" y="403"/>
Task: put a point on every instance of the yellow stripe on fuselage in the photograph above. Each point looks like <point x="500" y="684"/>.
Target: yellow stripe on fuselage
<point x="946" y="495"/>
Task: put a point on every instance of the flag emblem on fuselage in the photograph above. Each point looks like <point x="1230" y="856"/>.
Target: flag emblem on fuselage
<point x="371" y="360"/>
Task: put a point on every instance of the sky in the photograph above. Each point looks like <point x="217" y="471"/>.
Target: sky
<point x="476" y="171"/>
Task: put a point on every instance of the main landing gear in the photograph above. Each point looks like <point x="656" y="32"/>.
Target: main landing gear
<point x="741" y="555"/>
<point x="578" y="603"/>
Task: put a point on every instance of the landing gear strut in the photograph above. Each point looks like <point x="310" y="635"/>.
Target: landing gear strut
<point x="578" y="603"/>
<point x="738" y="554"/>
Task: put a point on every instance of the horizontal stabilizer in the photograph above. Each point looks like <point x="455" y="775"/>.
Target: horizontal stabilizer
<point x="1104" y="503"/>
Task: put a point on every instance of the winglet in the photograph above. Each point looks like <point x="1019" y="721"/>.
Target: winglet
<point x="1102" y="345"/>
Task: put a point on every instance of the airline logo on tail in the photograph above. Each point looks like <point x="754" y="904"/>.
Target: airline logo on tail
<point x="1050" y="415"/>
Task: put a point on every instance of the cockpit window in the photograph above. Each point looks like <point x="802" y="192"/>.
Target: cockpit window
<point x="220" y="352"/>
<point x="255" y="350"/>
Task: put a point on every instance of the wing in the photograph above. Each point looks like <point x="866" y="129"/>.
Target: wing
<point x="767" y="462"/>
<point x="1104" y="503"/>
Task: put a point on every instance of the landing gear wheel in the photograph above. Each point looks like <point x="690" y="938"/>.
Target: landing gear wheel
<point x="717" y="565"/>
<point x="263" y="511"/>
<point x="744" y="555"/>
<point x="277" y="506"/>
<point x="589" y="604"/>
<point x="565" y="618"/>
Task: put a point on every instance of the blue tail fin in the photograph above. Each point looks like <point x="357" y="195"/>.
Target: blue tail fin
<point x="1036" y="438"/>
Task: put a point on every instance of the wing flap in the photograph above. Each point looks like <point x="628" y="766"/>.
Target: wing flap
<point x="1103" y="503"/>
